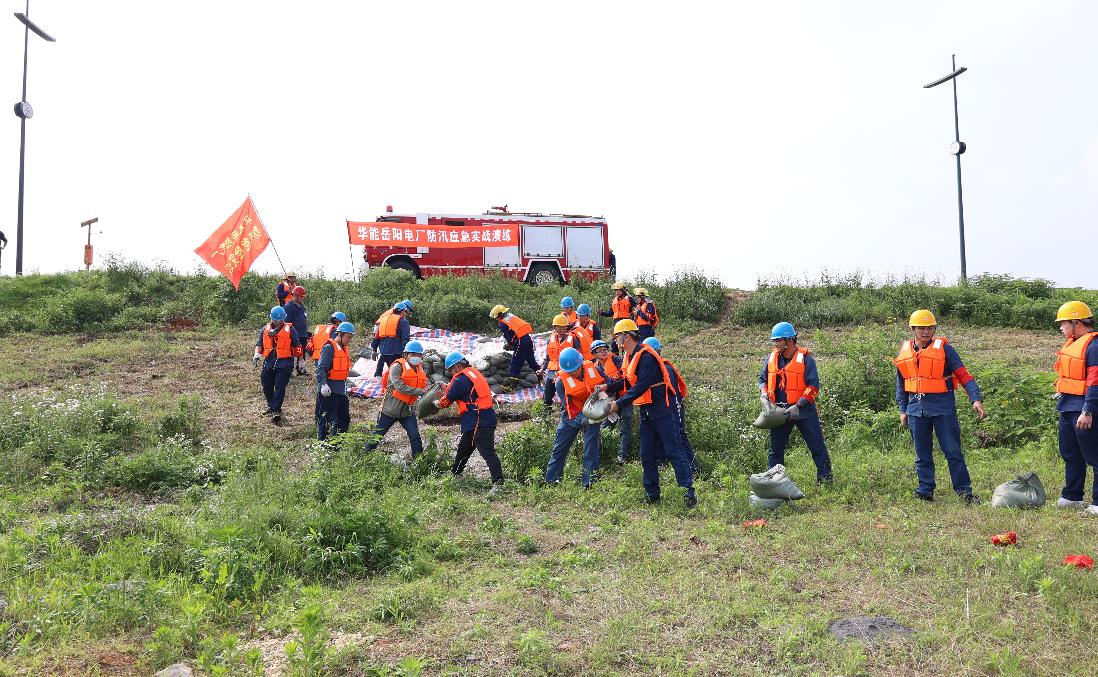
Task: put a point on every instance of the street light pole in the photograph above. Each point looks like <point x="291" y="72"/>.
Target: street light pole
<point x="24" y="111"/>
<point x="957" y="148"/>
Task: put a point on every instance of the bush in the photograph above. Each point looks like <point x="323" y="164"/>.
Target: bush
<point x="173" y="463"/>
<point x="1019" y="405"/>
<point x="865" y="377"/>
<point x="525" y="452"/>
<point x="185" y="421"/>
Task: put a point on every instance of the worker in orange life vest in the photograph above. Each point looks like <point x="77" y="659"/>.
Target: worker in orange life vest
<point x="285" y="289"/>
<point x="333" y="409"/>
<point x="275" y="348"/>
<point x="473" y="395"/>
<point x="645" y="314"/>
<point x="789" y="376"/>
<point x="321" y="334"/>
<point x="561" y="338"/>
<point x="403" y="383"/>
<point x="1076" y="402"/>
<point x="391" y="333"/>
<point x="680" y="386"/>
<point x="928" y="370"/>
<point x="568" y="309"/>
<point x="612" y="366"/>
<point x="586" y="330"/>
<point x="517" y="334"/>
<point x="577" y="380"/>
<point x="621" y="308"/>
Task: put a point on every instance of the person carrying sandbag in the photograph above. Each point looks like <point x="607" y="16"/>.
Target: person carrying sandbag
<point x="403" y="382"/>
<point x="789" y="376"/>
<point x="576" y="381"/>
<point x="517" y="334"/>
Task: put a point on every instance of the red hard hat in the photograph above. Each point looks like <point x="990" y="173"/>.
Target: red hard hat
<point x="299" y="290"/>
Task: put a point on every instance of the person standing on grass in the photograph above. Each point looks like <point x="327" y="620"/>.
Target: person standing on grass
<point x="403" y="383"/>
<point x="284" y="290"/>
<point x="645" y="314"/>
<point x="275" y="348"/>
<point x="789" y="376"/>
<point x="650" y="387"/>
<point x="577" y="380"/>
<point x="1076" y="401"/>
<point x="333" y="409"/>
<point x="561" y="338"/>
<point x="475" y="403"/>
<point x="611" y="365"/>
<point x="928" y="370"/>
<point x="517" y="334"/>
<point x="621" y="308"/>
<point x="586" y="331"/>
<point x="392" y="332"/>
<point x="680" y="387"/>
<point x="296" y="315"/>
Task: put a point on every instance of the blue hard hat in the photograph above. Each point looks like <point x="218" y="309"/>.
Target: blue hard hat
<point x="654" y="343"/>
<point x="570" y="359"/>
<point x="453" y="358"/>
<point x="595" y="345"/>
<point x="413" y="347"/>
<point x="337" y="315"/>
<point x="278" y="313"/>
<point x="345" y="328"/>
<point x="583" y="309"/>
<point x="567" y="302"/>
<point x="399" y="305"/>
<point x="408" y="305"/>
<point x="783" y="330"/>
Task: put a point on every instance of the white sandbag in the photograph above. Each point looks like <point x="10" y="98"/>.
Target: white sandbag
<point x="765" y="503"/>
<point x="773" y="416"/>
<point x="597" y="407"/>
<point x="775" y="483"/>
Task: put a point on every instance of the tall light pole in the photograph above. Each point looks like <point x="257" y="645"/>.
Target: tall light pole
<point x="24" y="111"/>
<point x="957" y="148"/>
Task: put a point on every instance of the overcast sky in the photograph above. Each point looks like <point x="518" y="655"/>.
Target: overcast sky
<point x="750" y="139"/>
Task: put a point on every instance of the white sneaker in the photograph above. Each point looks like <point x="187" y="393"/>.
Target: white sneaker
<point x="1074" y="505"/>
<point x="1091" y="510"/>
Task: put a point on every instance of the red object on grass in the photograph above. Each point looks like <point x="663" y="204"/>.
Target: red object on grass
<point x="754" y="523"/>
<point x="1079" y="561"/>
<point x="1008" y="538"/>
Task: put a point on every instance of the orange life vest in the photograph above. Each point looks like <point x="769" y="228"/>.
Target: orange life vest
<point x="631" y="376"/>
<point x="585" y="337"/>
<point x="789" y="378"/>
<point x="341" y="362"/>
<point x="649" y="308"/>
<point x="283" y="348"/>
<point x="923" y="370"/>
<point x="412" y="376"/>
<point x="288" y="289"/>
<point x="577" y="390"/>
<point x="611" y="367"/>
<point x="482" y="392"/>
<point x="386" y="325"/>
<point x="570" y="313"/>
<point x="518" y="325"/>
<point x="321" y="334"/>
<point x="1071" y="365"/>
<point x="554" y="348"/>
<point x="621" y="307"/>
<point x="681" y="385"/>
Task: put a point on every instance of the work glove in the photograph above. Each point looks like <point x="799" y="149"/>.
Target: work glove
<point x="764" y="399"/>
<point x="325" y="390"/>
<point x="255" y="360"/>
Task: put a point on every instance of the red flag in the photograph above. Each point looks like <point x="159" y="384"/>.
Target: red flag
<point x="236" y="244"/>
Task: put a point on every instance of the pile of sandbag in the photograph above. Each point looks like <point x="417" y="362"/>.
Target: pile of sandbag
<point x="1024" y="491"/>
<point x="771" y="489"/>
<point x="495" y="367"/>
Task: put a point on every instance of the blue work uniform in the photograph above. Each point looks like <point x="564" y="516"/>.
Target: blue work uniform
<point x="333" y="413"/>
<point x="936" y="414"/>
<point x="1079" y="448"/>
<point x="625" y="413"/>
<point x="275" y="373"/>
<point x="296" y="315"/>
<point x="808" y="421"/>
<point x="478" y="429"/>
<point x="523" y="350"/>
<point x="390" y="348"/>
<point x="567" y="431"/>
<point x="283" y="293"/>
<point x="647" y="312"/>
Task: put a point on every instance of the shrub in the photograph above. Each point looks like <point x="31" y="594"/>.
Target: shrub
<point x="175" y="462"/>
<point x="865" y="377"/>
<point x="185" y="421"/>
<point x="525" y="452"/>
<point x="1019" y="405"/>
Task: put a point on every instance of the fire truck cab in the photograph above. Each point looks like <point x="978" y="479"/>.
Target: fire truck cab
<point x="551" y="248"/>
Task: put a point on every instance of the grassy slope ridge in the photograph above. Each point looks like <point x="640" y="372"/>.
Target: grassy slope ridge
<point x="138" y="528"/>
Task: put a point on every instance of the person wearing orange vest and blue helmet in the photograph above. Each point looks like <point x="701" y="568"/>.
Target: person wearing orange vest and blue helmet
<point x="391" y="333"/>
<point x="321" y="334"/>
<point x="789" y="376"/>
<point x="928" y="370"/>
<point x="680" y="387"/>
<point x="296" y="315"/>
<point x="403" y="384"/>
<point x="333" y="409"/>
<point x="577" y="380"/>
<point x="568" y="309"/>
<point x="473" y="395"/>
<point x="561" y="338"/>
<point x="517" y="334"/>
<point x="586" y="330"/>
<point x="653" y="392"/>
<point x="275" y="347"/>
<point x="1076" y="402"/>
<point x="611" y="365"/>
<point x="645" y="314"/>
<point x="285" y="289"/>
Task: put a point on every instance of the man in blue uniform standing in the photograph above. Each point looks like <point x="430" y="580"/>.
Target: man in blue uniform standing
<point x="789" y="376"/>
<point x="284" y="290"/>
<point x="392" y="332"/>
<point x="296" y="315"/>
<point x="928" y="370"/>
<point x="473" y="395"/>
<point x="275" y="348"/>
<point x="333" y="409"/>
<point x="516" y="334"/>
<point x="1076" y="401"/>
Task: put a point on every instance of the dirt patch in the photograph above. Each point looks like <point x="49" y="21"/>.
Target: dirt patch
<point x="273" y="649"/>
<point x="866" y="628"/>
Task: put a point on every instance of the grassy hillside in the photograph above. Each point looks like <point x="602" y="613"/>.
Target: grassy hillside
<point x="149" y="515"/>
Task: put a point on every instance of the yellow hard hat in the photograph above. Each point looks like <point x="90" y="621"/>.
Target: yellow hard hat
<point x="561" y="321"/>
<point x="497" y="309"/>
<point x="623" y="326"/>
<point x="1073" y="310"/>
<point x="922" y="318"/>
<point x="640" y="291"/>
<point x="618" y="285"/>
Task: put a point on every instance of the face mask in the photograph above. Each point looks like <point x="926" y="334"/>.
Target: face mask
<point x="415" y="361"/>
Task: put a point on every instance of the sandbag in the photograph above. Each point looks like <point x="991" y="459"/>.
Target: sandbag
<point x="765" y="503"/>
<point x="596" y="409"/>
<point x="775" y="483"/>
<point x="1024" y="491"/>
<point x="428" y="403"/>
<point x="773" y="416"/>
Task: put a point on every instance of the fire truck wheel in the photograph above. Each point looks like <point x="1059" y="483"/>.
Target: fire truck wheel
<point x="399" y="264"/>
<point x="543" y="273"/>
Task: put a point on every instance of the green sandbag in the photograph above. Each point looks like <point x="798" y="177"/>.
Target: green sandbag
<point x="428" y="404"/>
<point x="1024" y="491"/>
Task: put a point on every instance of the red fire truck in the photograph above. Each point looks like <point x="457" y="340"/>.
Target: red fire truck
<point x="551" y="248"/>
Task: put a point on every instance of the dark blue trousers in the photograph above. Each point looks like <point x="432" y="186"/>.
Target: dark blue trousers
<point x="665" y="429"/>
<point x="524" y="354"/>
<point x="274" y="385"/>
<point x="566" y="435"/>
<point x="410" y="425"/>
<point x="812" y="432"/>
<point x="625" y="426"/>
<point x="333" y="415"/>
<point x="383" y="361"/>
<point x="948" y="430"/>
<point x="1079" y="448"/>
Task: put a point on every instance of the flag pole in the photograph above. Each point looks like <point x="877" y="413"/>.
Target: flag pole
<point x="269" y="238"/>
<point x="351" y="255"/>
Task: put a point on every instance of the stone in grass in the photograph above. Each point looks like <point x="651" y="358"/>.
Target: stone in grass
<point x="866" y="628"/>
<point x="176" y="670"/>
